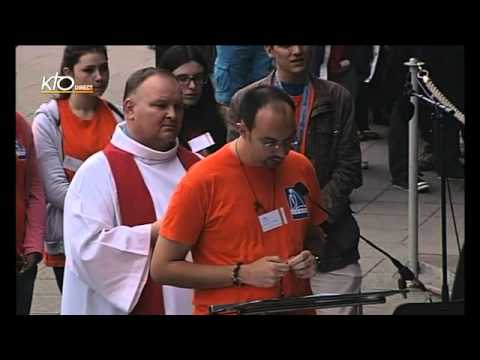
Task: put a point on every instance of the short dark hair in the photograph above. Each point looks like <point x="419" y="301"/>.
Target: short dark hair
<point x="71" y="55"/>
<point x="258" y="98"/>
<point x="139" y="76"/>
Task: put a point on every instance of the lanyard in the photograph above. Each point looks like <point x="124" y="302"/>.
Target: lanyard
<point x="305" y="111"/>
<point x="257" y="204"/>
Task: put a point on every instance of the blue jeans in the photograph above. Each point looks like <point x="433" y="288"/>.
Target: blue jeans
<point x="25" y="283"/>
<point x="237" y="66"/>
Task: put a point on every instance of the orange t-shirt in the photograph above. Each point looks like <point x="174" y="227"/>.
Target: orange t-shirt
<point x="81" y="139"/>
<point x="213" y="210"/>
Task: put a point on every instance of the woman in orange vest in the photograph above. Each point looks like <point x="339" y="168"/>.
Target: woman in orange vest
<point x="67" y="130"/>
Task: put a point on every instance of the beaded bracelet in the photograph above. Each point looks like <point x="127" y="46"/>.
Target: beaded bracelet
<point x="235" y="278"/>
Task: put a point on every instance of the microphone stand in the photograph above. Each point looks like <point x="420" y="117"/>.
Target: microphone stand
<point x="439" y="113"/>
<point x="405" y="273"/>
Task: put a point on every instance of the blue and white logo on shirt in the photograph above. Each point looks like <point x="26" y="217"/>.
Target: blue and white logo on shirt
<point x="296" y="203"/>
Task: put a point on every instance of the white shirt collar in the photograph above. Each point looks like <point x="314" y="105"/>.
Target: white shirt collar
<point x="121" y="140"/>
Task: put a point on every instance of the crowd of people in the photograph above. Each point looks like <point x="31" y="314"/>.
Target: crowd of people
<point x="186" y="195"/>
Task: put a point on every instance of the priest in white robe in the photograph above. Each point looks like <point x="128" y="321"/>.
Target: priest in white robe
<point x="130" y="182"/>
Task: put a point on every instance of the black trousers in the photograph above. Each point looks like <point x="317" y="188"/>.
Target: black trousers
<point x="25" y="283"/>
<point x="398" y="140"/>
<point x="361" y="106"/>
<point x="380" y="102"/>
<point x="447" y="146"/>
<point x="58" y="271"/>
<point x="402" y="112"/>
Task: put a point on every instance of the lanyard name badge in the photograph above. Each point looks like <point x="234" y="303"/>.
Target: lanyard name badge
<point x="269" y="220"/>
<point x="272" y="219"/>
<point x="303" y="111"/>
<point x="201" y="142"/>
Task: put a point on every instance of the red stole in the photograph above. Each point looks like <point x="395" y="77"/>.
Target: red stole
<point x="136" y="208"/>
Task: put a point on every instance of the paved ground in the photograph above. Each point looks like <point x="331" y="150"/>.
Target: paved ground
<point x="381" y="210"/>
<point x="383" y="219"/>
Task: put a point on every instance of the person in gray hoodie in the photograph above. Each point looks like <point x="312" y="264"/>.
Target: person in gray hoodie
<point x="67" y="130"/>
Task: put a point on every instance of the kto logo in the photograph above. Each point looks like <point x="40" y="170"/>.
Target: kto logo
<point x="62" y="85"/>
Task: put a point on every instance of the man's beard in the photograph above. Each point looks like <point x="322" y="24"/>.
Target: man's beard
<point x="273" y="162"/>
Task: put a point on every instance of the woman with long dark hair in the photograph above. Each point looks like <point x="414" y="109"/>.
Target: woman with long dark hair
<point x="203" y="128"/>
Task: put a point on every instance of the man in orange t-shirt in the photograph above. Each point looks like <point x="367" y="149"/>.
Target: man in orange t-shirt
<point x="239" y="214"/>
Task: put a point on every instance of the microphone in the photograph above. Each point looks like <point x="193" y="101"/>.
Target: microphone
<point x="405" y="272"/>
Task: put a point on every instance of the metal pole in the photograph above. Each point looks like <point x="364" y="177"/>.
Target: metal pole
<point x="439" y="141"/>
<point x="412" y="171"/>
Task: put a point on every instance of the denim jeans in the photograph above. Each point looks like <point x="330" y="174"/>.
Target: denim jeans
<point x="25" y="283"/>
<point x="237" y="66"/>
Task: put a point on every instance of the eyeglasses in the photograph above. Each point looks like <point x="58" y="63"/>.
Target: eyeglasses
<point x="275" y="145"/>
<point x="199" y="79"/>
